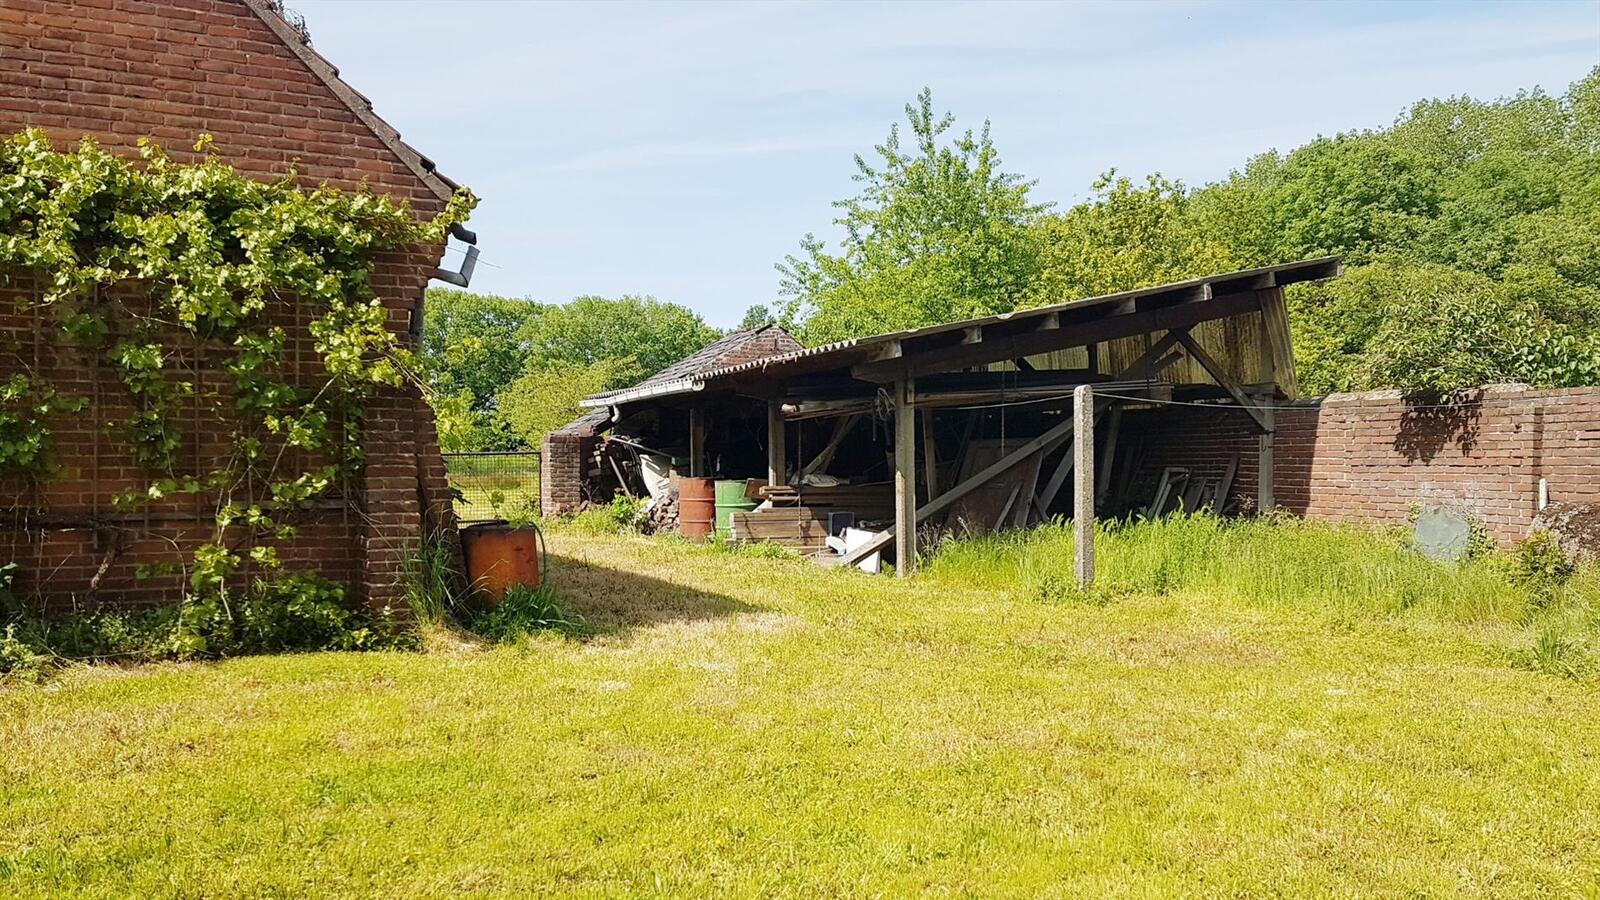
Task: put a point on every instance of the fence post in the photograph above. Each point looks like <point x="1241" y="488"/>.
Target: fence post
<point x="1083" y="484"/>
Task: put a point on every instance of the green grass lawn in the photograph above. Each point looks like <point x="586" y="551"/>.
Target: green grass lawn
<point x="756" y="726"/>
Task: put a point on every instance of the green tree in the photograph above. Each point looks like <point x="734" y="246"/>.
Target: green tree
<point x="635" y="336"/>
<point x="937" y="232"/>
<point x="544" y="399"/>
<point x="1127" y="236"/>
<point x="757" y="316"/>
<point x="473" y="345"/>
<point x="1471" y="235"/>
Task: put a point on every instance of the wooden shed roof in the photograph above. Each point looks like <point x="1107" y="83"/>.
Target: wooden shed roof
<point x="980" y="341"/>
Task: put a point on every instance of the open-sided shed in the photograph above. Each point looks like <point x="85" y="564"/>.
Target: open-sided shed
<point x="977" y="415"/>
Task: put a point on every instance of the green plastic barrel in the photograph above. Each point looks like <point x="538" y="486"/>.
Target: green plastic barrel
<point x="730" y="499"/>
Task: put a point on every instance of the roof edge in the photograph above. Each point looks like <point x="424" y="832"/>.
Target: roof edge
<point x="1300" y="270"/>
<point x="442" y="187"/>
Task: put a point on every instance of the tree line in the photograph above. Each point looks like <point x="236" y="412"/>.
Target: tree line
<point x="1470" y="231"/>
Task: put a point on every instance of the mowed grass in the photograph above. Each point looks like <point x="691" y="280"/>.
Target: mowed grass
<point x="748" y="726"/>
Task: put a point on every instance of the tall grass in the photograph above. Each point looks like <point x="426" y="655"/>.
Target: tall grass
<point x="1287" y="563"/>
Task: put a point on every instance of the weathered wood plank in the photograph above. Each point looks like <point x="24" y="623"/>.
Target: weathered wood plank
<point x="777" y="465"/>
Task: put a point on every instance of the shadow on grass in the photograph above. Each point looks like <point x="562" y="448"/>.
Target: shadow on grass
<point x="613" y="600"/>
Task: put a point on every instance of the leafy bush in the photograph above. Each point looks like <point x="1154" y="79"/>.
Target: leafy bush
<point x="295" y="612"/>
<point x="1540" y="559"/>
<point x="20" y="658"/>
<point x="1540" y="563"/>
<point x="627" y="512"/>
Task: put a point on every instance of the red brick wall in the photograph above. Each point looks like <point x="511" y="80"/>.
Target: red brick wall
<point x="120" y="70"/>
<point x="1371" y="457"/>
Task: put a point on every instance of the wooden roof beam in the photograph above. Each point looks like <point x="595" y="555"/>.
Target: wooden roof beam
<point x="949" y="358"/>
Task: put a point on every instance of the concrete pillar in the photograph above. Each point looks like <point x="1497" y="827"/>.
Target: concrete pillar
<point x="905" y="477"/>
<point x="1083" y="484"/>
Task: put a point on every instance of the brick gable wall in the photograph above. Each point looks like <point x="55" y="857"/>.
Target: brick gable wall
<point x="119" y="70"/>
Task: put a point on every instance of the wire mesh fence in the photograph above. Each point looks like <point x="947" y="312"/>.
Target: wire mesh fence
<point x="495" y="485"/>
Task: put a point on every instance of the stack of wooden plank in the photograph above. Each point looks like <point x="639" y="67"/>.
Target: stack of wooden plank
<point x="867" y="501"/>
<point x="796" y="527"/>
<point x="1180" y="490"/>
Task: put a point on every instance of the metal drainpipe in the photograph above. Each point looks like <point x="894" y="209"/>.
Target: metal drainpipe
<point x="460" y="279"/>
<point x="464" y="277"/>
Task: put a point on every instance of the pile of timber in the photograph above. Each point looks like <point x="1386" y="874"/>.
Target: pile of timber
<point x="797" y="527"/>
<point x="796" y="517"/>
<point x="1181" y="490"/>
<point x="867" y="501"/>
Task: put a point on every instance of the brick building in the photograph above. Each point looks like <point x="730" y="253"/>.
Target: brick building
<point x="120" y="70"/>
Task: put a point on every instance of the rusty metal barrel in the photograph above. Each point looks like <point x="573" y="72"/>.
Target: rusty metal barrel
<point x="697" y="507"/>
<point x="500" y="555"/>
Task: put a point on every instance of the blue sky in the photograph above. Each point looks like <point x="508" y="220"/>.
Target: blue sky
<point x="681" y="149"/>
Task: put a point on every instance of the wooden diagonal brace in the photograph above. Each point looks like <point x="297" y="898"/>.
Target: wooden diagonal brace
<point x="1210" y="365"/>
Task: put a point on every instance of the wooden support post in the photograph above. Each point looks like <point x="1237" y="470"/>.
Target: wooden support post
<point x="905" y="477"/>
<point x="930" y="455"/>
<point x="697" y="442"/>
<point x="1053" y="486"/>
<point x="1083" y="484"/>
<point x="777" y="466"/>
<point x="1214" y="369"/>
<point x="1265" y="501"/>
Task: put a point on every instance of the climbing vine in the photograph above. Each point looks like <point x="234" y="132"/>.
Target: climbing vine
<point x="153" y="264"/>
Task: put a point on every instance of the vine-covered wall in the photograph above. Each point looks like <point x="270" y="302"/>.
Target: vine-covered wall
<point x="224" y="69"/>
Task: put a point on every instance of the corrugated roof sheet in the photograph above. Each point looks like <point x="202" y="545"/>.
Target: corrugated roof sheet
<point x="708" y="358"/>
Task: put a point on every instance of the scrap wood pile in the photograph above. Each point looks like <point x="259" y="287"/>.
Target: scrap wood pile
<point x="1182" y="490"/>
<point x="662" y="516"/>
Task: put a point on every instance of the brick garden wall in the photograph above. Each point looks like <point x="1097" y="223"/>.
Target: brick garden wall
<point x="120" y="70"/>
<point x="561" y="466"/>
<point x="1371" y="457"/>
